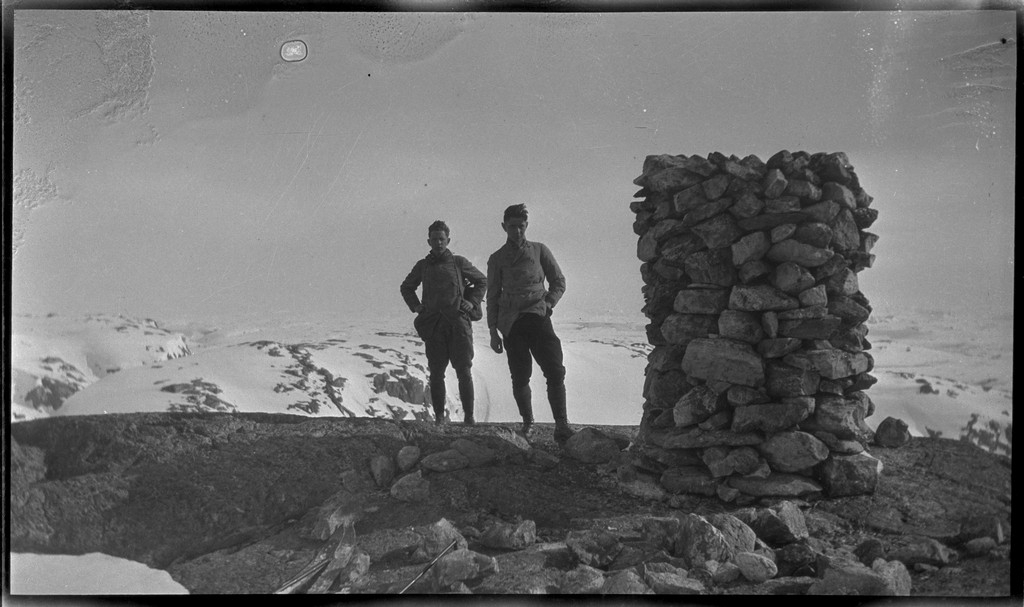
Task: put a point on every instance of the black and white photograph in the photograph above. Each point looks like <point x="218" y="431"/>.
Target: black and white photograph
<point x="437" y="299"/>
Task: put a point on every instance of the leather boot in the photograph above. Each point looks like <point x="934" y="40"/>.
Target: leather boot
<point x="523" y="398"/>
<point x="466" y="394"/>
<point x="437" y="399"/>
<point x="556" y="397"/>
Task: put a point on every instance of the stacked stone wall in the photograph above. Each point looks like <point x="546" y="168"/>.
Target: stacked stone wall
<point x="756" y="383"/>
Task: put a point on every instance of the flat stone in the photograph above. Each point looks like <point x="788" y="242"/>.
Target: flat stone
<point x="814" y="328"/>
<point x="777" y="484"/>
<point x="758" y="298"/>
<point x="723" y="360"/>
<point x="767" y="221"/>
<point x="804" y="313"/>
<point x="742" y="326"/>
<point x="784" y="380"/>
<point x="770" y="418"/>
<point x="822" y="212"/>
<point x="701" y="301"/>
<point x="689" y="480"/>
<point x="681" y="329"/>
<point x="695" y="438"/>
<point x="739" y="396"/>
<point x="799" y="253"/>
<point x="711" y="267"/>
<point x="778" y="347"/>
<point x="803" y="189"/>
<point x="755" y="568"/>
<point x="785" y="204"/>
<point x="782" y="232"/>
<point x="793" y="451"/>
<point x="830" y="364"/>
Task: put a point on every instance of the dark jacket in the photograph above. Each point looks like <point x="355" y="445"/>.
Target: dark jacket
<point x="441" y="291"/>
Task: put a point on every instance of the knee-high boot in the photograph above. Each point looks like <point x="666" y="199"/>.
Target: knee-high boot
<point x="437" y="398"/>
<point x="523" y="398"/>
<point x="556" y="397"/>
<point x="467" y="395"/>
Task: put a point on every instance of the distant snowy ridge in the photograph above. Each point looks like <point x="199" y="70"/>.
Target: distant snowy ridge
<point x="941" y="378"/>
<point x="54" y="357"/>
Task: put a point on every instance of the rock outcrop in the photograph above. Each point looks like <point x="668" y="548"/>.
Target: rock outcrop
<point x="757" y="322"/>
<point x="251" y="503"/>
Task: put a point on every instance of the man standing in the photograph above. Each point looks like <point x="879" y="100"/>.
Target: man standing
<point x="452" y="292"/>
<point x="519" y="307"/>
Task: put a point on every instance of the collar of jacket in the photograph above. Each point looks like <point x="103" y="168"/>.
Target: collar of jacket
<point x="513" y="248"/>
<point x="443" y="257"/>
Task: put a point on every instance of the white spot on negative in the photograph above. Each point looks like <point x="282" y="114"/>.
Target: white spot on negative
<point x="293" y="50"/>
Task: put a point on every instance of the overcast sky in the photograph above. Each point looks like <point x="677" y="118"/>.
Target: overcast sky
<point x="174" y="165"/>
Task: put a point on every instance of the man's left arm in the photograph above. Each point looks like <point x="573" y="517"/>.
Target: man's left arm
<point x="553" y="274"/>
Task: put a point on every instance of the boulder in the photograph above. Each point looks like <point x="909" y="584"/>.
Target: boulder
<point x="844" y="475"/>
<point x="777" y="525"/>
<point x="432" y="539"/>
<point x="713" y="267"/>
<point x="892" y="432"/>
<point x="411" y="488"/>
<point x="592" y="446"/>
<point x="510" y="537"/>
<point x="407" y="457"/>
<point x="793" y="451"/>
<point x="725" y="461"/>
<point x="594" y="548"/>
<point x="699" y="541"/>
<point x="445" y="461"/>
<point x="754" y="567"/>
<point x="830" y="363"/>
<point x="625" y="582"/>
<point x="774" y="183"/>
<point x="584" y="579"/>
<point x="924" y="550"/>
<point x="461" y="566"/>
<point x="382" y="468"/>
<point x="719" y="231"/>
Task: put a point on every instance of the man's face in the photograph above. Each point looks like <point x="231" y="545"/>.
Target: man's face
<point x="515" y="227"/>
<point x="438" y="241"/>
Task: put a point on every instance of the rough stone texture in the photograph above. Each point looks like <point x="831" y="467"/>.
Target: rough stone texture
<point x="723" y="360"/>
<point x="118" y="484"/>
<point x="592" y="446"/>
<point x="755" y="567"/>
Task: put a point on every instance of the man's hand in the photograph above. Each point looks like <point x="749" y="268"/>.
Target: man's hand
<point x="465" y="306"/>
<point x="419" y="309"/>
<point x="496" y="342"/>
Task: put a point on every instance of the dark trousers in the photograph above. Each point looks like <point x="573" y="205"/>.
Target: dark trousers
<point x="449" y="344"/>
<point x="533" y="338"/>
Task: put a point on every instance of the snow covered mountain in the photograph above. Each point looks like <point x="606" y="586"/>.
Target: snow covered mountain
<point x="939" y="373"/>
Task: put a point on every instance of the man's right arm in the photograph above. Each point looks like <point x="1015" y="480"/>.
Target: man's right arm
<point x="409" y="285"/>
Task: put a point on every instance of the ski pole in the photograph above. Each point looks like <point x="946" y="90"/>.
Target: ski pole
<point x="427" y="568"/>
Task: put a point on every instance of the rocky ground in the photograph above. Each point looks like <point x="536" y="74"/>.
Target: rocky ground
<point x="246" y="503"/>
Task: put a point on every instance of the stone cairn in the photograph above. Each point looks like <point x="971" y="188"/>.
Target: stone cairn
<point x="755" y="385"/>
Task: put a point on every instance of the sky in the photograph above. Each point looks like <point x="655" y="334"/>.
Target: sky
<point x="173" y="164"/>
